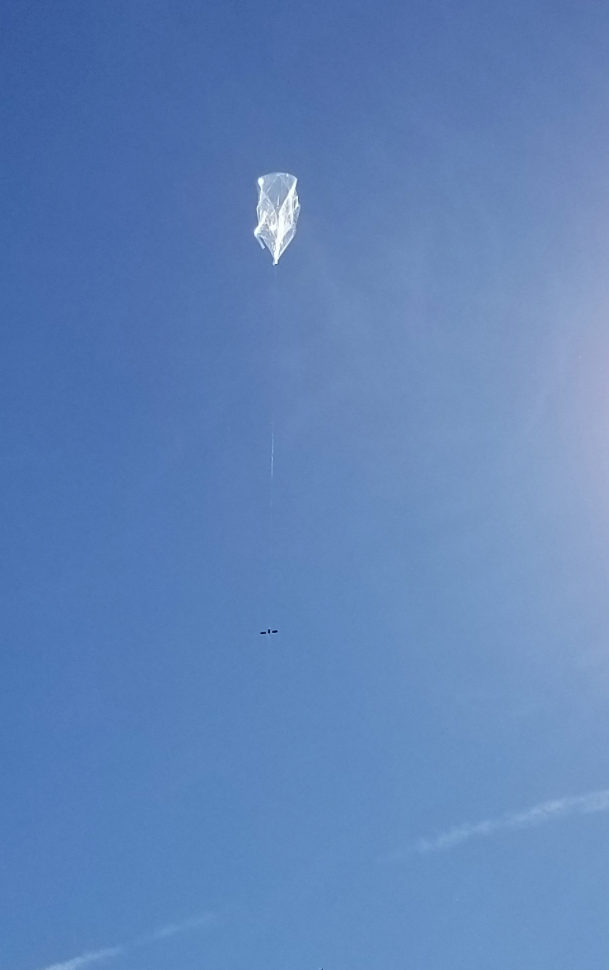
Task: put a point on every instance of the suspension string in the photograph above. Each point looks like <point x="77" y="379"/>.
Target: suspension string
<point x="273" y="382"/>
<point x="272" y="454"/>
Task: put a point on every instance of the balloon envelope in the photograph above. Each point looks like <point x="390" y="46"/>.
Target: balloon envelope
<point x="277" y="211"/>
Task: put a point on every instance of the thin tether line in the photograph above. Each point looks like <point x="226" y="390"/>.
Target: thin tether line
<point x="271" y="591"/>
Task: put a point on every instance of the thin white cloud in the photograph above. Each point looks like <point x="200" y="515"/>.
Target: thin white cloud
<point x="86" y="958"/>
<point x="108" y="953"/>
<point x="538" y="815"/>
<point x="171" y="929"/>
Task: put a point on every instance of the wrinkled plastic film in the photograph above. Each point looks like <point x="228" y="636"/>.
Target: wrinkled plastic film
<point x="277" y="212"/>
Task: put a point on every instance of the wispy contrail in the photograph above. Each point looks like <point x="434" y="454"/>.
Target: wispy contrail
<point x="171" y="929"/>
<point x="578" y="805"/>
<point x="85" y="958"/>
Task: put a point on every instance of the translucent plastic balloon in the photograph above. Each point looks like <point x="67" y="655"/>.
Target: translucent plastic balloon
<point x="277" y="211"/>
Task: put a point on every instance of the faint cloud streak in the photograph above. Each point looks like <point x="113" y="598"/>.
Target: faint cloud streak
<point x="86" y="958"/>
<point x="538" y="815"/>
<point x="172" y="929"/>
<point x="110" y="952"/>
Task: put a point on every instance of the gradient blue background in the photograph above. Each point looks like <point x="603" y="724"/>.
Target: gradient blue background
<point x="437" y="339"/>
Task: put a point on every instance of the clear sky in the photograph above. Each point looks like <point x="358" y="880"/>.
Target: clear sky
<point x="402" y="777"/>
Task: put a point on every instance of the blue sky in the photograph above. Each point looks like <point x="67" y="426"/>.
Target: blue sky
<point x="405" y="776"/>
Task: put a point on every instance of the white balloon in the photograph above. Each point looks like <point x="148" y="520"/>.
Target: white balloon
<point x="277" y="212"/>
